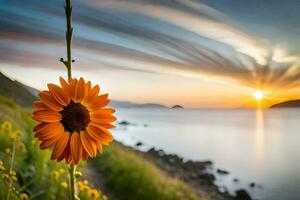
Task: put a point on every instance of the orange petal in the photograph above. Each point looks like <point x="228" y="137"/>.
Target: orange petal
<point x="60" y="146"/>
<point x="103" y="120"/>
<point x="102" y="124"/>
<point x="39" y="109"/>
<point x="39" y="104"/>
<point x="49" y="143"/>
<point x="49" y="130"/>
<point x="84" y="154"/>
<point x="91" y="95"/>
<point x="47" y="116"/>
<point x="69" y="159"/>
<point x="65" y="86"/>
<point x="65" y="154"/>
<point x="74" y="147"/>
<point x="102" y="114"/>
<point x="99" y="148"/>
<point x="100" y="134"/>
<point x="92" y="99"/>
<point x="88" y="88"/>
<point x="88" y="144"/>
<point x="49" y="101"/>
<point x="73" y="87"/>
<point x="58" y="94"/>
<point x="108" y="111"/>
<point x="39" y="126"/>
<point x="80" y="150"/>
<point x="79" y="91"/>
<point x="95" y="90"/>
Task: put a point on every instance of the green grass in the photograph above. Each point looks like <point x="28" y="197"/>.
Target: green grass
<point x="34" y="168"/>
<point x="130" y="176"/>
<point x="15" y="91"/>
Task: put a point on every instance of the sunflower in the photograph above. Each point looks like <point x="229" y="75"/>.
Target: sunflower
<point x="73" y="120"/>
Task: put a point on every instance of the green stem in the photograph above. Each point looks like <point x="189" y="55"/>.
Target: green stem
<point x="69" y="33"/>
<point x="10" y="169"/>
<point x="68" y="63"/>
<point x="72" y="182"/>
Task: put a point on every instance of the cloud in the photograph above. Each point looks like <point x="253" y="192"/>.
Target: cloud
<point x="198" y="23"/>
<point x="181" y="37"/>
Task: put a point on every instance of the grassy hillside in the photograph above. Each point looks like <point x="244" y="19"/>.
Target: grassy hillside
<point x="133" y="177"/>
<point x="16" y="91"/>
<point x="32" y="175"/>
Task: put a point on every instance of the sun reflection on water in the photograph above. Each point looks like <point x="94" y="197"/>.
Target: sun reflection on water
<point x="259" y="142"/>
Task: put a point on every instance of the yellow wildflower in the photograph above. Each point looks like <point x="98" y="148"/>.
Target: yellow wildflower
<point x="4" y="176"/>
<point x="21" y="147"/>
<point x="85" y="188"/>
<point x="14" y="178"/>
<point x="1" y="165"/>
<point x="104" y="197"/>
<point x="55" y="174"/>
<point x="24" y="196"/>
<point x="64" y="184"/>
<point x="80" y="185"/>
<point x="7" y="151"/>
<point x="12" y="172"/>
<point x="6" y="127"/>
<point x="93" y="193"/>
<point x="85" y="182"/>
<point x="18" y="133"/>
<point x="61" y="171"/>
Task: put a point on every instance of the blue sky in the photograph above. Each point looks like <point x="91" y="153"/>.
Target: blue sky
<point x="195" y="53"/>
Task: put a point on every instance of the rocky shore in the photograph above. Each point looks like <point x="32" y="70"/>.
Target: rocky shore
<point x="197" y="174"/>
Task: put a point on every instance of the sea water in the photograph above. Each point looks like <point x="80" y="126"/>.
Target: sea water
<point x="255" y="146"/>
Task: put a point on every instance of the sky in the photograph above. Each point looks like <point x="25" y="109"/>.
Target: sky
<point x="199" y="54"/>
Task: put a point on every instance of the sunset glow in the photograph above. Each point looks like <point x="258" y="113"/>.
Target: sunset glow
<point x="258" y="95"/>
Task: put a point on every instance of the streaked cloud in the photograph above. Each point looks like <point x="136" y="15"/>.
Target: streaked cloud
<point x="178" y="37"/>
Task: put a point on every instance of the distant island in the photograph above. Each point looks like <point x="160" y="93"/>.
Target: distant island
<point x="126" y="104"/>
<point x="177" y="106"/>
<point x="287" y="104"/>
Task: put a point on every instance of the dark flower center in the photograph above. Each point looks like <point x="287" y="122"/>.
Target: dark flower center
<point x="75" y="117"/>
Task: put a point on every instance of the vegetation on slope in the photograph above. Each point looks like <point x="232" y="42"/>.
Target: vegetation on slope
<point x="132" y="177"/>
<point x="33" y="174"/>
<point x="15" y="91"/>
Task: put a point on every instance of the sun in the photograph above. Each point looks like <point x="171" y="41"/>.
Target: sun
<point x="258" y="95"/>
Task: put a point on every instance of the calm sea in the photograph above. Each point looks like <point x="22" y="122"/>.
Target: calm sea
<point x="253" y="145"/>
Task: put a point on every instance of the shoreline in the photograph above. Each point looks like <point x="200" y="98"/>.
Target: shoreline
<point x="196" y="174"/>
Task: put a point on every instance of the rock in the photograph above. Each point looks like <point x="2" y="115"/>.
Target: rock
<point x="161" y="153"/>
<point x="124" y="123"/>
<point x="242" y="195"/>
<point x="235" y="180"/>
<point x="193" y="175"/>
<point x="177" y="106"/>
<point x="194" y="166"/>
<point x="138" y="144"/>
<point x="252" y="184"/>
<point x="153" y="152"/>
<point x="222" y="172"/>
<point x="206" y="179"/>
<point x="172" y="160"/>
